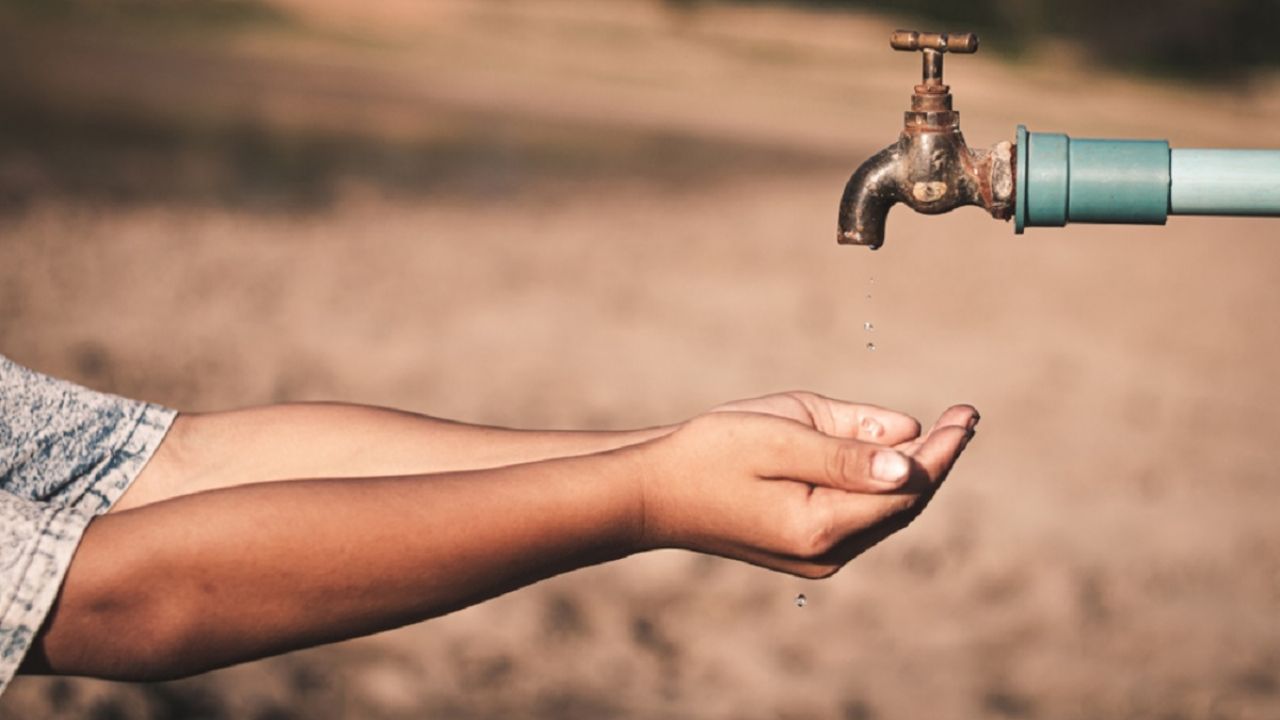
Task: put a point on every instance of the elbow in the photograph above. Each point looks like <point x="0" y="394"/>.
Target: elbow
<point x="119" y="615"/>
<point x="160" y="645"/>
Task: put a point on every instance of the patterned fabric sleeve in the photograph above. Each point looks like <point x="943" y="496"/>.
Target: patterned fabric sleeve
<point x="66" y="455"/>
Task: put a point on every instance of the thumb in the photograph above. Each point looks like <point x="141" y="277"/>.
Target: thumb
<point x="809" y="456"/>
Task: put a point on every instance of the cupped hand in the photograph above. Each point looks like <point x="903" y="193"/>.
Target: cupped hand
<point x="796" y="482"/>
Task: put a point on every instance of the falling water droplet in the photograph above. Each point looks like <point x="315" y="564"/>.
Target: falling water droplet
<point x="801" y="600"/>
<point x="871" y="346"/>
<point x="868" y="326"/>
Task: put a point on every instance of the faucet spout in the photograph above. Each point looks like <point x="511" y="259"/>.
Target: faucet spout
<point x="870" y="192"/>
<point x="930" y="170"/>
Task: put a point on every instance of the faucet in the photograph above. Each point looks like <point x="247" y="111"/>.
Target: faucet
<point x="1040" y="179"/>
<point x="930" y="168"/>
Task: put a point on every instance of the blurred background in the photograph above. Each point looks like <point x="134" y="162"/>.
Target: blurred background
<point x="582" y="214"/>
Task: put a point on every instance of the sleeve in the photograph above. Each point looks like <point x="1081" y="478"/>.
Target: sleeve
<point x="67" y="454"/>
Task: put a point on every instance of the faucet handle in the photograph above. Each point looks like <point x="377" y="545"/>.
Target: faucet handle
<point x="932" y="46"/>
<point x="942" y="42"/>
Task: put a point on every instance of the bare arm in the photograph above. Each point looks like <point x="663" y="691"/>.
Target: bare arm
<point x="218" y="577"/>
<point x="306" y="440"/>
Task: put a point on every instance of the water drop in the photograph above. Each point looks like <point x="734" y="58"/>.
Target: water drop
<point x="871" y="346"/>
<point x="801" y="600"/>
<point x="868" y="326"/>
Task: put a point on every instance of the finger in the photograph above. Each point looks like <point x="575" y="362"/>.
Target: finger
<point x="860" y="542"/>
<point x="963" y="415"/>
<point x="955" y="416"/>
<point x="939" y="452"/>
<point x="853" y="513"/>
<point x="800" y="567"/>
<point x="860" y="521"/>
<point x="931" y="463"/>
<point x="832" y="528"/>
<point x="869" y="523"/>
<point x="884" y="426"/>
<point x="860" y="421"/>
<point x="863" y="521"/>
<point x="850" y="465"/>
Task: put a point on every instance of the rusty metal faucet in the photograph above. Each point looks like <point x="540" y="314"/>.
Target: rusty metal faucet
<point x="930" y="168"/>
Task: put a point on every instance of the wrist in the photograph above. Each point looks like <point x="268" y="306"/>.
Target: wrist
<point x="625" y="471"/>
<point x="649" y="473"/>
<point x="608" y="495"/>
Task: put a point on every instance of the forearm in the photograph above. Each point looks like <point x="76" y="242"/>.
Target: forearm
<point x="281" y="442"/>
<point x="222" y="577"/>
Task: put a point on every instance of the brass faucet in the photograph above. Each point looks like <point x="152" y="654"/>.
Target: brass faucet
<point x="929" y="168"/>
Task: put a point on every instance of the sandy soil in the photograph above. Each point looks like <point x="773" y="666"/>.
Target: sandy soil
<point x="597" y="215"/>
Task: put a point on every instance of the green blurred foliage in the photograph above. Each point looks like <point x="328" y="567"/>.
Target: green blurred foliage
<point x="1206" y="39"/>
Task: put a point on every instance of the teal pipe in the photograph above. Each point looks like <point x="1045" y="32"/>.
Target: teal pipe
<point x="1224" y="182"/>
<point x="1061" y="180"/>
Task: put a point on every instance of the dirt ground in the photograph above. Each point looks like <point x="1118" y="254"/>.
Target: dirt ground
<point x="604" y="215"/>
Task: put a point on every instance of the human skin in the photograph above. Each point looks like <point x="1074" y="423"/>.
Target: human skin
<point x="261" y="531"/>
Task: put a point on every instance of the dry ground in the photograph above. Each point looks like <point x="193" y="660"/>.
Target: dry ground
<point x="602" y="215"/>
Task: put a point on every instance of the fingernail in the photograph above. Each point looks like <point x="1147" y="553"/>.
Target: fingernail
<point x="889" y="467"/>
<point x="973" y="421"/>
<point x="871" y="428"/>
